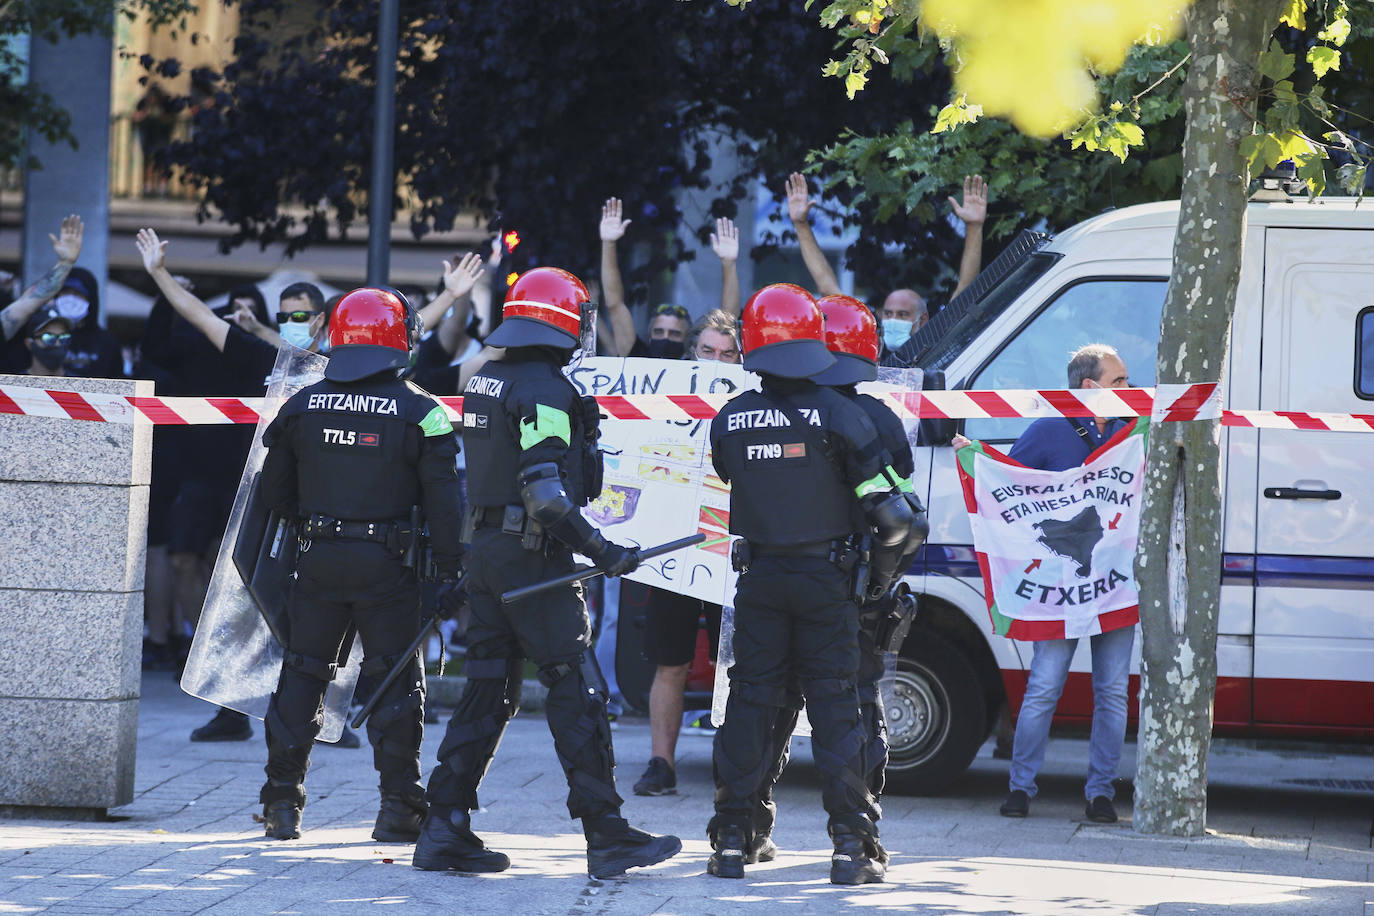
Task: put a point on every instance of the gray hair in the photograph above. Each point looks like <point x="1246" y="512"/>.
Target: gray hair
<point x="718" y="320"/>
<point x="1086" y="363"/>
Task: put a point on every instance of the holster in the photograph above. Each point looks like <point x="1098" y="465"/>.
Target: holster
<point x="860" y="573"/>
<point x="517" y="522"/>
<point x="891" y="629"/>
<point x="739" y="555"/>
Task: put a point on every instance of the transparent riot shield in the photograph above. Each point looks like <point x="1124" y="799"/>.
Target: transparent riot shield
<point x="889" y="380"/>
<point x="235" y="660"/>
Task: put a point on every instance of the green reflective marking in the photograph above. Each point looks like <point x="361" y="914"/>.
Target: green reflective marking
<point x="436" y="423"/>
<point x="549" y="423"/>
<point x="903" y="485"/>
<point x="878" y="484"/>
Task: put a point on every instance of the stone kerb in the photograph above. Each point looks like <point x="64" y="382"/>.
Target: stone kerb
<point x="74" y="509"/>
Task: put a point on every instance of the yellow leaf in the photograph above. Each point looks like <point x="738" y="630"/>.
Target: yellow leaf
<point x="854" y="82"/>
<point x="1323" y="59"/>
<point x="1293" y="15"/>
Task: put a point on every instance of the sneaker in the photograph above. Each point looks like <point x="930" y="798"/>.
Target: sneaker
<point x="399" y="819"/>
<point x="614" y="846"/>
<point x="447" y="843"/>
<point x="1017" y="804"/>
<point x="857" y="859"/>
<point x="700" y="725"/>
<point x="281" y="820"/>
<point x="658" y="779"/>
<point x="227" y="725"/>
<point x="728" y="859"/>
<point x="1099" y="810"/>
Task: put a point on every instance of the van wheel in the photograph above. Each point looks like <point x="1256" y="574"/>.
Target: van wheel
<point x="936" y="716"/>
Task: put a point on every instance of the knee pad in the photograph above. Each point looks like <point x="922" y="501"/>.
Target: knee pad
<point x="396" y="724"/>
<point x="317" y="669"/>
<point x="510" y="670"/>
<point x="490" y="700"/>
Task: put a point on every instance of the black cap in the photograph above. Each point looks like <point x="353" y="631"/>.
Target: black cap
<point x="46" y="314"/>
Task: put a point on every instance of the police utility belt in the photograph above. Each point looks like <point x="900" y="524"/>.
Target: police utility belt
<point x="396" y="536"/>
<point x="512" y="520"/>
<point x="841" y="551"/>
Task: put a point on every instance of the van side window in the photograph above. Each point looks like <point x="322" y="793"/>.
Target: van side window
<point x="1123" y="313"/>
<point x="1364" y="353"/>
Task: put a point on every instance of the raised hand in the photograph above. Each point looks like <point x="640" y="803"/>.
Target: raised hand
<point x="460" y="278"/>
<point x="725" y="240"/>
<point x="67" y="243"/>
<point x="612" y="226"/>
<point x="974" y="210"/>
<point x="154" y="252"/>
<point x="798" y="198"/>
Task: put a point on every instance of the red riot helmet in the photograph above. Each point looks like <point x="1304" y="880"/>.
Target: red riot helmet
<point x="851" y="334"/>
<point x="369" y="332"/>
<point x="545" y="306"/>
<point x="783" y="333"/>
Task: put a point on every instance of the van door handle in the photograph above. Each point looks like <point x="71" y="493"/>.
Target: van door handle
<point x="1299" y="493"/>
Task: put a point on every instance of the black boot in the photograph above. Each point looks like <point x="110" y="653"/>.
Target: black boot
<point x="729" y="843"/>
<point x="399" y="819"/>
<point x="447" y="842"/>
<point x="281" y="819"/>
<point x="613" y="846"/>
<point x="763" y="849"/>
<point x="859" y="858"/>
<point x="227" y="725"/>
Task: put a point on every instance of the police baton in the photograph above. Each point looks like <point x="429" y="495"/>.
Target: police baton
<point x="401" y="664"/>
<point x="587" y="572"/>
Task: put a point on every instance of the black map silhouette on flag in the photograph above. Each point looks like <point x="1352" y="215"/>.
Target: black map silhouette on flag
<point x="1073" y="539"/>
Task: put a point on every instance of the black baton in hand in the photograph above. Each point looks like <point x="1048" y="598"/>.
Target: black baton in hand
<point x="586" y="572"/>
<point x="400" y="666"/>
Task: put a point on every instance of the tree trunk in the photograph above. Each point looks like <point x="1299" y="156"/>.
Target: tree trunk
<point x="1178" y="564"/>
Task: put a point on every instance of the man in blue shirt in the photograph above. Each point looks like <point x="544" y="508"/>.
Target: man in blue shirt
<point x="1056" y="444"/>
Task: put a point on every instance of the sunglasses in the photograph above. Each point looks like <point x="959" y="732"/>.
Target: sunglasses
<point x="48" y="338"/>
<point x="677" y="311"/>
<point x="284" y="317"/>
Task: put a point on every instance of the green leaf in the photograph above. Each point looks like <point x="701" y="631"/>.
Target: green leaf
<point x="1131" y="133"/>
<point x="1323" y="59"/>
<point x="854" y="82"/>
<point x="1293" y="145"/>
<point x="1352" y="177"/>
<point x="1336" y="31"/>
<point x="1276" y="64"/>
<point x="1312" y="169"/>
<point x="1250" y="148"/>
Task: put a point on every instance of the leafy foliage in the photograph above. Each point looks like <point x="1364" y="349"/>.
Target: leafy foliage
<point x="24" y="107"/>
<point x="531" y="113"/>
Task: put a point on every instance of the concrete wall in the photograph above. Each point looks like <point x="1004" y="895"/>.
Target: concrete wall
<point x="74" y="509"/>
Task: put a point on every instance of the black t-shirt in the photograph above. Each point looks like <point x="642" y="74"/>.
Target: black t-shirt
<point x="249" y="358"/>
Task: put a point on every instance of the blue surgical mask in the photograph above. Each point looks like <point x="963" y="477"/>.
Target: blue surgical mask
<point x="297" y="334"/>
<point x="895" y="332"/>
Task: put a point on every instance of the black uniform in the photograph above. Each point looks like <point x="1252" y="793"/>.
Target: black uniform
<point x="872" y="719"/>
<point x="796" y="626"/>
<point x="518" y="414"/>
<point x="351" y="459"/>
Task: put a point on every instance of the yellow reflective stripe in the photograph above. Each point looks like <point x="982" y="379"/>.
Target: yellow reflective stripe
<point x="436" y="423"/>
<point x="877" y="484"/>
<point x="549" y="423"/>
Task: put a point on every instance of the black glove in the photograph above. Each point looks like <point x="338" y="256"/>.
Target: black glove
<point x="616" y="560"/>
<point x="452" y="596"/>
<point x="591" y="418"/>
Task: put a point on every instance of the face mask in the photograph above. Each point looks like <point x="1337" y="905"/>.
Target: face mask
<point x="297" y="334"/>
<point x="895" y="332"/>
<point x="663" y="348"/>
<point x="50" y="357"/>
<point x="72" y="307"/>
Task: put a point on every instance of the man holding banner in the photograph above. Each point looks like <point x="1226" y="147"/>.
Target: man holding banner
<point x="1055" y="527"/>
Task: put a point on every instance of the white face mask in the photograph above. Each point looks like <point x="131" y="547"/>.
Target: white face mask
<point x="895" y="332"/>
<point x="297" y="334"/>
<point x="72" y="307"/>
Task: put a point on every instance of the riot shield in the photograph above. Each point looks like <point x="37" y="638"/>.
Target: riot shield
<point x="889" y="380"/>
<point x="235" y="659"/>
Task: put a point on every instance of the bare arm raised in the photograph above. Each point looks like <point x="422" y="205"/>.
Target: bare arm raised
<point x="725" y="243"/>
<point x="186" y="303"/>
<point x="974" y="212"/>
<point x="798" y="210"/>
<point x="622" y="322"/>
<point x="67" y="246"/>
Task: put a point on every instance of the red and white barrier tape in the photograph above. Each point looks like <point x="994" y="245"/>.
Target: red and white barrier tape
<point x="1167" y="402"/>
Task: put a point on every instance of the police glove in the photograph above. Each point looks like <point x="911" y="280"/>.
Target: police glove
<point x="614" y="559"/>
<point x="452" y="595"/>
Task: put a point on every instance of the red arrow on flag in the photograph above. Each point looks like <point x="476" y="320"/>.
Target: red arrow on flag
<point x="1035" y="564"/>
<point x="1112" y="523"/>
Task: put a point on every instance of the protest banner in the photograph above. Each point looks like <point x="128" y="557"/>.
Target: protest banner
<point x="1057" y="548"/>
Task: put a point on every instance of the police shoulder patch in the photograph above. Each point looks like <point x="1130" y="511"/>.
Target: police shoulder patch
<point x="436" y="423"/>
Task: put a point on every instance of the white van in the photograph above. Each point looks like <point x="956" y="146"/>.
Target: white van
<point x="1295" y="651"/>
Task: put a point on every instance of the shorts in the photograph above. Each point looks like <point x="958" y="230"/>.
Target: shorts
<point x="671" y="622"/>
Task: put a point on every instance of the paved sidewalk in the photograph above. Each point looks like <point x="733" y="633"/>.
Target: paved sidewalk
<point x="189" y="843"/>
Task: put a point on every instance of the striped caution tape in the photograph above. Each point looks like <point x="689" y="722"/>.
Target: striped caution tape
<point x="1165" y="403"/>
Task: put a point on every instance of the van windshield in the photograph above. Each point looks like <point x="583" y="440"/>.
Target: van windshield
<point x="988" y="307"/>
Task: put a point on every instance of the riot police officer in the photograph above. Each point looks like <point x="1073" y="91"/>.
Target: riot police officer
<point x="350" y="456"/>
<point x="532" y="463"/>
<point x="795" y="620"/>
<point x="851" y="336"/>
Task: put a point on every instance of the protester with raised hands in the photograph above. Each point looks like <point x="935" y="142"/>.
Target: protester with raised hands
<point x="67" y="246"/>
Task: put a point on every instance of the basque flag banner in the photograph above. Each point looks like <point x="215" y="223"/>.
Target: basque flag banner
<point x="1057" y="548"/>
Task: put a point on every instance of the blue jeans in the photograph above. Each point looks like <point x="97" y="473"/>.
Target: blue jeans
<point x="1048" y="671"/>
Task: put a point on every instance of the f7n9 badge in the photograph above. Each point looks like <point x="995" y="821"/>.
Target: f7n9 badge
<point x="775" y="451"/>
